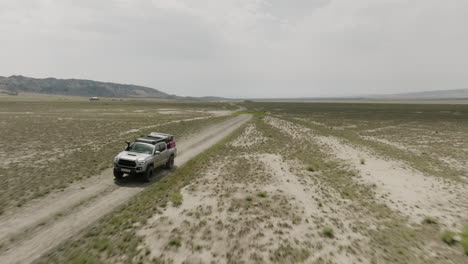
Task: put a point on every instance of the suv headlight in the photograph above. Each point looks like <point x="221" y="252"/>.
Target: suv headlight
<point x="116" y="159"/>
<point x="141" y="161"/>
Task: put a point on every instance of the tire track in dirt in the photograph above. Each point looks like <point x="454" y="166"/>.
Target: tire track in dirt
<point x="26" y="249"/>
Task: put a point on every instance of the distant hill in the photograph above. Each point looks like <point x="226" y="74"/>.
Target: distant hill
<point x="20" y="84"/>
<point x="429" y="95"/>
<point x="458" y="94"/>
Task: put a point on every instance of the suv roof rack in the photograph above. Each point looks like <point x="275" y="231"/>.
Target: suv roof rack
<point x="161" y="136"/>
<point x="155" y="137"/>
<point x="148" y="140"/>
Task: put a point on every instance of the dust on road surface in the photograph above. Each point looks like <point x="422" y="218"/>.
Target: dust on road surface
<point x="38" y="227"/>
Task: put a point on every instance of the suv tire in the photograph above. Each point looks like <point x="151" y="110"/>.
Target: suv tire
<point x="170" y="163"/>
<point x="148" y="173"/>
<point x="118" y="174"/>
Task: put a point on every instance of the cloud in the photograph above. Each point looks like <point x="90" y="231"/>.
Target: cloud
<point x="257" y="48"/>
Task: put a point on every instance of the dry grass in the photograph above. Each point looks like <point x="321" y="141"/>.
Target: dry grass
<point x="119" y="229"/>
<point x="177" y="199"/>
<point x="175" y="241"/>
<point x="49" y="143"/>
<point x="464" y="239"/>
<point x="448" y="237"/>
<point x="430" y="220"/>
<point x="263" y="224"/>
<point x="328" y="232"/>
<point x="430" y="137"/>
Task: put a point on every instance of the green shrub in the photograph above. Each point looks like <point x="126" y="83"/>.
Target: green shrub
<point x="429" y="220"/>
<point x="448" y="237"/>
<point x="328" y="232"/>
<point x="175" y="241"/>
<point x="176" y="199"/>
<point x="464" y="239"/>
<point x="311" y="168"/>
<point x="262" y="194"/>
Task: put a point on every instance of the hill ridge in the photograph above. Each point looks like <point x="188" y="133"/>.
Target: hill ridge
<point x="78" y="87"/>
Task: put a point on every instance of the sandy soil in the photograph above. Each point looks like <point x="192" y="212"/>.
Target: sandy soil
<point x="170" y="112"/>
<point x="217" y="223"/>
<point x="250" y="137"/>
<point x="399" y="186"/>
<point x="211" y="113"/>
<point x="133" y="130"/>
<point x="390" y="143"/>
<point x="461" y="165"/>
<point x="404" y="189"/>
<point x="28" y="232"/>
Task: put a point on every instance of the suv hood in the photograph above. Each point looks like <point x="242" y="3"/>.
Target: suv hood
<point x="132" y="155"/>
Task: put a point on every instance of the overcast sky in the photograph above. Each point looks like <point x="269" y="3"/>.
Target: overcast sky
<point x="242" y="48"/>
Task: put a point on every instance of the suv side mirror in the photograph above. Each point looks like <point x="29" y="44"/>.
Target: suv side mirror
<point x="157" y="152"/>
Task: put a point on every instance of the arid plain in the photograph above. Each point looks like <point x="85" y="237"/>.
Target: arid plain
<point x="277" y="182"/>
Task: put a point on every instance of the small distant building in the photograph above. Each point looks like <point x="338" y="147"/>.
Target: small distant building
<point x="94" y="98"/>
<point x="14" y="93"/>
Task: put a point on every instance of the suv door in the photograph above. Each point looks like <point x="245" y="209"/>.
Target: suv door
<point x="160" y="159"/>
<point x="164" y="153"/>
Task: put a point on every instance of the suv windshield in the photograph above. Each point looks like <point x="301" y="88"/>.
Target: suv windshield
<point x="141" y="148"/>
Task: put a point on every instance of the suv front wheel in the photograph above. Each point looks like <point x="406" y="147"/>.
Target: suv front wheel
<point x="147" y="175"/>
<point x="118" y="174"/>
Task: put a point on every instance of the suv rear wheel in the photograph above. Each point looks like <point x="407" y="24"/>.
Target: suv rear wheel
<point x="170" y="163"/>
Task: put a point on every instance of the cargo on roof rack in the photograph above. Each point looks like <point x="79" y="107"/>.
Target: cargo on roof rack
<point x="162" y="136"/>
<point x="155" y="137"/>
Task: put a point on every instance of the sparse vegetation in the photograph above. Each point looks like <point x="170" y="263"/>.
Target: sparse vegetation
<point x="288" y="254"/>
<point x="297" y="201"/>
<point x="78" y="135"/>
<point x="175" y="241"/>
<point x="176" y="199"/>
<point x="464" y="239"/>
<point x="430" y="220"/>
<point x="313" y="166"/>
<point x="120" y="227"/>
<point x="328" y="232"/>
<point x="448" y="237"/>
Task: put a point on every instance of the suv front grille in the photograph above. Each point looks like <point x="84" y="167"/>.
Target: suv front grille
<point x="127" y="163"/>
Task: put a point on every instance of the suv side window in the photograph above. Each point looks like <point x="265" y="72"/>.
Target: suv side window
<point x="162" y="147"/>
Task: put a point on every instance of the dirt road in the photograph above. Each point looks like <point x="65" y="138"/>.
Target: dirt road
<point x="30" y="231"/>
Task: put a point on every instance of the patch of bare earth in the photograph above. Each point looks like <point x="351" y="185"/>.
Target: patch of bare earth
<point x="211" y="113"/>
<point x="391" y="143"/>
<point x="250" y="137"/>
<point x="255" y="208"/>
<point x="160" y="124"/>
<point x="405" y="189"/>
<point x="450" y="161"/>
<point x="399" y="186"/>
